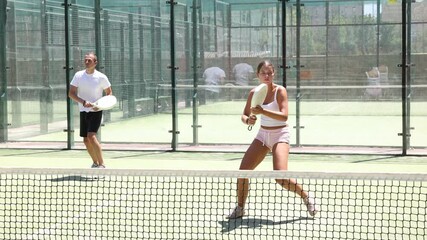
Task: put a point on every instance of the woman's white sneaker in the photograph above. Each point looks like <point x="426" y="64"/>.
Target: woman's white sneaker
<point x="238" y="212"/>
<point x="310" y="203"/>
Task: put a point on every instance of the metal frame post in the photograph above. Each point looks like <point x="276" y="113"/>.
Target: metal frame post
<point x="196" y="126"/>
<point x="173" y="69"/>
<point x="68" y="68"/>
<point x="3" y="75"/>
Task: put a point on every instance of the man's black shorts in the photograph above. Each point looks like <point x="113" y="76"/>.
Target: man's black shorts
<point x="89" y="122"/>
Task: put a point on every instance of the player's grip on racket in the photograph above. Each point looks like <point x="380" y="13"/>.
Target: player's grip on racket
<point x="105" y="103"/>
<point x="258" y="97"/>
<point x="251" y="125"/>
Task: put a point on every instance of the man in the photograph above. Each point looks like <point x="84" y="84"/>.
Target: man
<point x="213" y="76"/>
<point x="243" y="73"/>
<point x="86" y="87"/>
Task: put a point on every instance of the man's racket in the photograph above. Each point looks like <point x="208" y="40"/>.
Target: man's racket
<point x="258" y="98"/>
<point x="105" y="103"/>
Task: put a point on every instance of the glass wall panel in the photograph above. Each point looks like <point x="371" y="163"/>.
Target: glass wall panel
<point x="136" y="47"/>
<point x="36" y="92"/>
<point x="418" y="79"/>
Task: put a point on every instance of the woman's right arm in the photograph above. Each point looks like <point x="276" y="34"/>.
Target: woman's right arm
<point x="247" y="111"/>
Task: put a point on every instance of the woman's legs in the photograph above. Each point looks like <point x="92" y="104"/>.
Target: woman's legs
<point x="280" y="162"/>
<point x="252" y="158"/>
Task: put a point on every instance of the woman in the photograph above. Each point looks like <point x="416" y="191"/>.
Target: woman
<point x="273" y="136"/>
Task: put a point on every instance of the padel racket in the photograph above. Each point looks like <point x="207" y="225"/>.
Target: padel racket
<point x="105" y="103"/>
<point x="258" y="98"/>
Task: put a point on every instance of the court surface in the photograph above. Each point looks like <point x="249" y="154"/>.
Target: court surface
<point x="53" y="194"/>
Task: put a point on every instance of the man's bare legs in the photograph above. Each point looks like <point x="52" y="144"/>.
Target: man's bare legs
<point x="94" y="148"/>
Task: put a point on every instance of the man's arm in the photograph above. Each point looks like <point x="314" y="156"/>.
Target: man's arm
<point x="73" y="95"/>
<point x="108" y="91"/>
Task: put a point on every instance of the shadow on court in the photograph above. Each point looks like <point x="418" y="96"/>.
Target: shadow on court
<point x="25" y="153"/>
<point x="147" y="154"/>
<point x="232" y="224"/>
<point x="74" y="178"/>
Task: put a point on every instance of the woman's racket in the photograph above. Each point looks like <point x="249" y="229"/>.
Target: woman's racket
<point x="258" y="98"/>
<point x="105" y="103"/>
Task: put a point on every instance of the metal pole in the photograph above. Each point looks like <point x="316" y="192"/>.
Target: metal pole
<point x="278" y="30"/>
<point x="284" y="66"/>
<point x="153" y="61"/>
<point x="195" y="74"/>
<point x="187" y="54"/>
<point x="123" y="83"/>
<point x="378" y="31"/>
<point x="98" y="51"/>
<point x="173" y="68"/>
<point x="46" y="114"/>
<point x="327" y="9"/>
<point x="202" y="94"/>
<point x="3" y="75"/>
<point x="14" y="94"/>
<point x="106" y="61"/>
<point x="215" y="26"/>
<point x="408" y="75"/>
<point x="131" y="82"/>
<point x="141" y="67"/>
<point x="229" y="69"/>
<point x="67" y="68"/>
<point x="298" y="73"/>
<point x="404" y="80"/>
<point x="46" y="94"/>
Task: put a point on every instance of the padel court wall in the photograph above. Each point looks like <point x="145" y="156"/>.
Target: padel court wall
<point x="355" y="71"/>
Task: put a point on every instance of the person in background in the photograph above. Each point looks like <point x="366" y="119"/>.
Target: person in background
<point x="213" y="76"/>
<point x="243" y="73"/>
<point x="273" y="136"/>
<point x="86" y="87"/>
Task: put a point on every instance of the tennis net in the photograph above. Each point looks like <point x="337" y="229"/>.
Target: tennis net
<point x="166" y="204"/>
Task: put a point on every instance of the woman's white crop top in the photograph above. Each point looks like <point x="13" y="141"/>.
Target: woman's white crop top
<point x="273" y="106"/>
